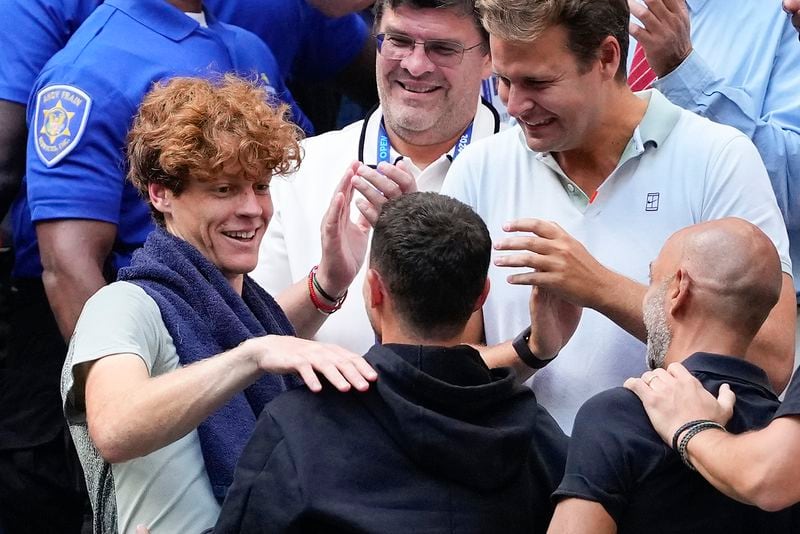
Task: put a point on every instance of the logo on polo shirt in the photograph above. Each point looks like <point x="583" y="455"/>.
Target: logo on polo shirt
<point x="652" y="202"/>
<point x="59" y="121"/>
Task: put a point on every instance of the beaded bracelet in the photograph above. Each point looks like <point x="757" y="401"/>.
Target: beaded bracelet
<point x="698" y="427"/>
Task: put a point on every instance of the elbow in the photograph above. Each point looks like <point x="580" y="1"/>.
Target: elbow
<point x="113" y="444"/>
<point x="766" y="486"/>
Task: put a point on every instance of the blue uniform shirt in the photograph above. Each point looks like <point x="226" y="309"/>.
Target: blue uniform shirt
<point x="50" y="22"/>
<point x="82" y="106"/>
<point x="308" y="45"/>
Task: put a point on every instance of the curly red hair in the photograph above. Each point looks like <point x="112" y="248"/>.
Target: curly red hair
<point x="192" y="127"/>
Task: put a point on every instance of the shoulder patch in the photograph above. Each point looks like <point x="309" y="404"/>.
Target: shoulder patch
<point x="59" y="121"/>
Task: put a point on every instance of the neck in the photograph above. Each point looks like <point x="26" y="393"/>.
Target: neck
<point x="394" y="332"/>
<point x="420" y="150"/>
<point x="707" y="337"/>
<point x="591" y="163"/>
<point x="188" y="6"/>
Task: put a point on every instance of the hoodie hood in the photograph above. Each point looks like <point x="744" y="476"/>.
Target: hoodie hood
<point x="454" y="416"/>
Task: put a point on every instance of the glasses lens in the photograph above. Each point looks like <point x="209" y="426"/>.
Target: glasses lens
<point x="444" y="53"/>
<point x="441" y="53"/>
<point x="393" y="46"/>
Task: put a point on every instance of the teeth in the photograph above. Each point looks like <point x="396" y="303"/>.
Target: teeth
<point x="240" y="235"/>
<point x="417" y="89"/>
<point x="540" y="123"/>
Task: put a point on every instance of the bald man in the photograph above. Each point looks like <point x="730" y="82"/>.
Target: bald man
<point x="711" y="288"/>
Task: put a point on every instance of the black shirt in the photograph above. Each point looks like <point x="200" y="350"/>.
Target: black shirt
<point x="618" y="460"/>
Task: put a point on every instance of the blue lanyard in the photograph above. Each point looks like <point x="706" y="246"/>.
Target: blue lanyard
<point x="385" y="146"/>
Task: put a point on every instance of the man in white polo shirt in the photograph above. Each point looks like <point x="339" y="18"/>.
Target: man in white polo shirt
<point x="432" y="57"/>
<point x="618" y="172"/>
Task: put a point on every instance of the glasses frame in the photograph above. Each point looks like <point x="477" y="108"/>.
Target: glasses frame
<point x="381" y="37"/>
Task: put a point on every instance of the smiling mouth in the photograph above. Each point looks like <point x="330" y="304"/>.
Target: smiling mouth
<point x="241" y="236"/>
<point x="544" y="122"/>
<point x="417" y="88"/>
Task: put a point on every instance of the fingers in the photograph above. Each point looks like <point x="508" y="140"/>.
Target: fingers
<point x="726" y="399"/>
<point x="527" y="242"/>
<point x="368" y="211"/>
<point x="639" y="387"/>
<point x="542" y="228"/>
<point x="342" y="368"/>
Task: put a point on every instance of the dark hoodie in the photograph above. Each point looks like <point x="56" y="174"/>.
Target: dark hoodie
<point x="440" y="443"/>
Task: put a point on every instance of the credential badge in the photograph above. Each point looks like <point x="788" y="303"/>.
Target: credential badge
<point x="59" y="121"/>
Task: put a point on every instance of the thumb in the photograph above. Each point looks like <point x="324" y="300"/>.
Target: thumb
<point x="141" y="529"/>
<point x="726" y="399"/>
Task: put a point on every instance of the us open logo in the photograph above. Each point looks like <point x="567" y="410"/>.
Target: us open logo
<point x="652" y="202"/>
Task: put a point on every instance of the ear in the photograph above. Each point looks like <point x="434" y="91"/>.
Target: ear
<point x="482" y="297"/>
<point x="376" y="292"/>
<point x="609" y="56"/>
<point x="678" y="293"/>
<point x="160" y="197"/>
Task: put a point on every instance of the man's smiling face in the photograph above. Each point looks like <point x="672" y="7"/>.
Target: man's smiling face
<point x="420" y="100"/>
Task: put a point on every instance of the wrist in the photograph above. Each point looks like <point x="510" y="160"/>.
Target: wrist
<point x="523" y="347"/>
<point x="331" y="290"/>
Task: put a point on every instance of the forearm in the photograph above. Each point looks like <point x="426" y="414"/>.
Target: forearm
<point x="504" y="355"/>
<point x="620" y="299"/>
<point x="297" y="305"/>
<point x="160" y="410"/>
<point x="759" y="468"/>
<point x="68" y="287"/>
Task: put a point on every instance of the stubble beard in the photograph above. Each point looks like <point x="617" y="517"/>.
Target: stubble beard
<point x="659" y="335"/>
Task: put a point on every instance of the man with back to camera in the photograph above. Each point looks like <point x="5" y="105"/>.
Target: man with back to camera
<point x="439" y="443"/>
<point x="602" y="177"/>
<point x="711" y="288"/>
<point x="432" y="56"/>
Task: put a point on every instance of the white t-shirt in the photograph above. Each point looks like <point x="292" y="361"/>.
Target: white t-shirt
<point x="292" y="244"/>
<point x="678" y="169"/>
<point x="168" y="490"/>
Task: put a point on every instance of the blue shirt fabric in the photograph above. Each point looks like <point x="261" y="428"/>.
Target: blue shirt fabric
<point x="113" y="58"/>
<point x="745" y="72"/>
<point x="31" y="31"/>
<point x="617" y="459"/>
<point x="307" y="45"/>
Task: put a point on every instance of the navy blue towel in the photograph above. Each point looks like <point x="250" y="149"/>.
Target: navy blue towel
<point x="205" y="316"/>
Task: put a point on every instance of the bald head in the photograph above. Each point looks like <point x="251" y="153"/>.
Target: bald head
<point x="733" y="268"/>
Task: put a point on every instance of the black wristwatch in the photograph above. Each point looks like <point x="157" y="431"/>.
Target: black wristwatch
<point x="522" y="349"/>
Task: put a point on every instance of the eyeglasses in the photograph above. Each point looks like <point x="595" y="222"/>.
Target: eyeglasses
<point x="442" y="53"/>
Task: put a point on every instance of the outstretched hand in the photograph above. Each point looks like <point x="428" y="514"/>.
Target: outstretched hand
<point x="665" y="36"/>
<point x="377" y="186"/>
<point x="288" y="354"/>
<point x="673" y="397"/>
<point x="344" y="242"/>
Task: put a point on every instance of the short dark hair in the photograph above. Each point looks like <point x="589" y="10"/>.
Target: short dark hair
<point x="587" y="23"/>
<point x="466" y="8"/>
<point x="432" y="253"/>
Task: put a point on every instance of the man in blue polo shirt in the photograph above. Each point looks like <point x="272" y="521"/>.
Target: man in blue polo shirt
<point x="711" y="288"/>
<point x="76" y="220"/>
